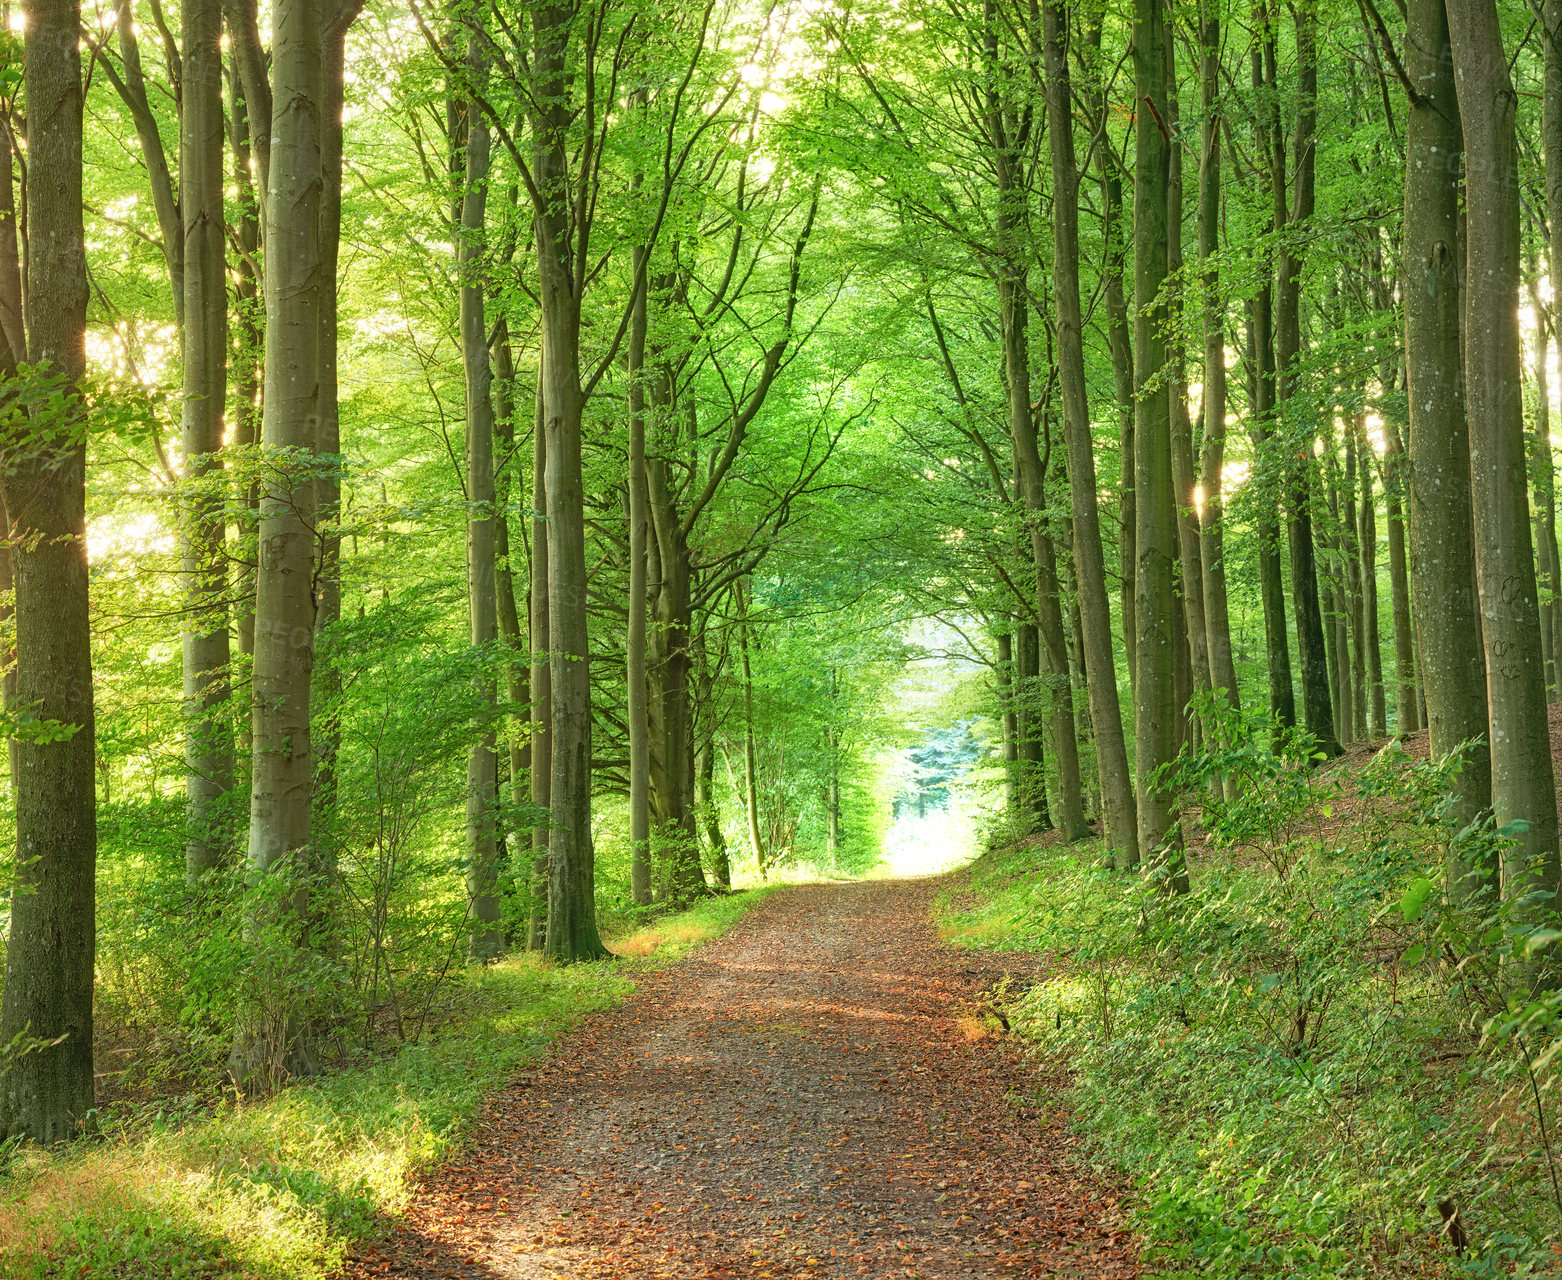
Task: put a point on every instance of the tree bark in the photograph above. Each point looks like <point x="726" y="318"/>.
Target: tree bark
<point x="635" y="640"/>
<point x="47" y="1094"/>
<point x="204" y="342"/>
<point x="1368" y="533"/>
<point x="1212" y="552"/>
<point x="541" y="677"/>
<point x="1407" y="714"/>
<point x="1117" y="796"/>
<point x="1317" y="714"/>
<point x="1442" y="550"/>
<point x="1522" y="781"/>
<point x="750" y="748"/>
<point x="1010" y="720"/>
<point x="1155" y="709"/>
<point x="572" y="925"/>
<point x="282" y="777"/>
<point x="485" y="939"/>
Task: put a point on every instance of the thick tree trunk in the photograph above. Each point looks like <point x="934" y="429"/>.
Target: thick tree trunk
<point x="1317" y="714"/>
<point x="272" y="1046"/>
<point x="485" y="939"/>
<point x="208" y="728"/>
<point x="1522" y="781"/>
<point x="1442" y="551"/>
<point x="572" y="925"/>
<point x="1155" y="709"/>
<point x="1212" y="552"/>
<point x="47" y="1094"/>
<point x="1116" y="781"/>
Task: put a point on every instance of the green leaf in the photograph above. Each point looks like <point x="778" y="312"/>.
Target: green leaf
<point x="1414" y="901"/>
<point x="1540" y="939"/>
<point x="1415" y="955"/>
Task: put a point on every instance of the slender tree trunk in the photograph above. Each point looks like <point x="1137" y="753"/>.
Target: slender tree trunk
<point x="1522" y="781"/>
<point x="1442" y="551"/>
<point x="1317" y="714"/>
<point x="208" y="728"/>
<point x="1212" y="552"/>
<point x="1542" y="469"/>
<point x="1009" y="715"/>
<point x="1407" y="714"/>
<point x="1368" y="533"/>
<point x="247" y="359"/>
<point x="1551" y="147"/>
<point x="1277" y="646"/>
<point x="635" y="641"/>
<point x="541" y="677"/>
<point x="518" y="671"/>
<point x="1117" y="796"/>
<point x="1357" y="604"/>
<point x="1155" y="710"/>
<point x="750" y="748"/>
<point x="485" y="939"/>
<point x="47" y="1094"/>
<point x="1190" y="578"/>
<point x="1120" y="347"/>
<point x="1032" y="751"/>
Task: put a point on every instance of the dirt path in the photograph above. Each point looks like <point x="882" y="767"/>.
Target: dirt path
<point x="807" y="1096"/>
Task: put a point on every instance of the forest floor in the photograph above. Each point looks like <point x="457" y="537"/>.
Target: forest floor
<point x="816" y="1093"/>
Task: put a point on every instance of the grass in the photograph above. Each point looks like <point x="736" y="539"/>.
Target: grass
<point x="1288" y="1084"/>
<point x="280" y="1189"/>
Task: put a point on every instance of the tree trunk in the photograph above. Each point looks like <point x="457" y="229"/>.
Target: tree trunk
<point x="635" y="642"/>
<point x="208" y="729"/>
<point x="541" y="677"/>
<point x="1522" y="781"/>
<point x="572" y="924"/>
<point x="1407" y="716"/>
<point x="1368" y="527"/>
<point x="47" y="1094"/>
<point x="1117" y="796"/>
<point x="485" y="939"/>
<point x="249" y="367"/>
<point x="750" y="748"/>
<point x="1357" y="605"/>
<point x="518" y="671"/>
<point x="1545" y="490"/>
<point x="1442" y="551"/>
<point x="1190" y="577"/>
<point x="1312" y="651"/>
<point x="1212" y="552"/>
<point x="1010" y="720"/>
<point x="1032" y="752"/>
<point x="271" y="1048"/>
<point x="1155" y="710"/>
<point x="1551" y="147"/>
<point x="1120" y="346"/>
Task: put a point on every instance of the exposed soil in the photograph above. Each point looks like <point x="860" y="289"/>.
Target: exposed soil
<point x="815" y="1094"/>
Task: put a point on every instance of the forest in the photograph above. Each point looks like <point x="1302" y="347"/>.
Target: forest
<point x="510" y="508"/>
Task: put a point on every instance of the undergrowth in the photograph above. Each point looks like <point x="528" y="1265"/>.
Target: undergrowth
<point x="279" y="1189"/>
<point x="1313" y="1064"/>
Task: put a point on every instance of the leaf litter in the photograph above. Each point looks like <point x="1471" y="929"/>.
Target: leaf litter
<point x="803" y="1097"/>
